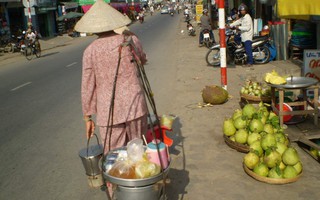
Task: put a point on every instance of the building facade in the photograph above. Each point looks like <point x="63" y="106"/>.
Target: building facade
<point x="41" y="13"/>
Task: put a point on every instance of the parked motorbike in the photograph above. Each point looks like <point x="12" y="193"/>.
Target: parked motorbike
<point x="17" y="43"/>
<point x="207" y="40"/>
<point x="5" y="44"/>
<point x="190" y="28"/>
<point x="171" y="13"/>
<point x="237" y="53"/>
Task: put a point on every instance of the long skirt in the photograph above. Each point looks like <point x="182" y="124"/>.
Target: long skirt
<point x="122" y="133"/>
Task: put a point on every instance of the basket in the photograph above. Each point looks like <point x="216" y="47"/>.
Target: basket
<point x="275" y="181"/>
<point x="235" y="145"/>
<point x="255" y="99"/>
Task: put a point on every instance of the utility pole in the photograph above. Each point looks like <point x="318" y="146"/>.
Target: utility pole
<point x="223" y="52"/>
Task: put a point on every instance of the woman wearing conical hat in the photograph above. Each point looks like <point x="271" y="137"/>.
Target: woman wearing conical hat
<point x="100" y="63"/>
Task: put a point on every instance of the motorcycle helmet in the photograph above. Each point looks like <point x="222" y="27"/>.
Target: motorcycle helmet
<point x="205" y="11"/>
<point x="265" y="27"/>
<point x="243" y="7"/>
<point x="265" y="30"/>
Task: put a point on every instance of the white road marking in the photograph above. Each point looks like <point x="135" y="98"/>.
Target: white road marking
<point x="74" y="63"/>
<point x="20" y="86"/>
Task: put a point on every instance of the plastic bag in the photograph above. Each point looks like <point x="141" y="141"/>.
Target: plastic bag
<point x="123" y="169"/>
<point x="135" y="150"/>
<point x="146" y="169"/>
<point x="167" y="121"/>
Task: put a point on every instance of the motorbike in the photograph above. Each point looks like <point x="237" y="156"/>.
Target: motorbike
<point x="207" y="40"/>
<point x="140" y="18"/>
<point x="6" y="44"/>
<point x="17" y="43"/>
<point x="171" y="13"/>
<point x="236" y="52"/>
<point x="187" y="17"/>
<point x="190" y="28"/>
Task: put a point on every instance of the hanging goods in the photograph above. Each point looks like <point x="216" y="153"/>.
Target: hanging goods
<point x="136" y="189"/>
<point x="153" y="153"/>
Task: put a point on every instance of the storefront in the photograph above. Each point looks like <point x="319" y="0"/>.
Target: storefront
<point x="295" y="10"/>
<point x="11" y="13"/>
<point x="45" y="21"/>
<point x="66" y="21"/>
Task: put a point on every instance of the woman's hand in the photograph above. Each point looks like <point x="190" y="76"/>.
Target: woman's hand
<point x="90" y="127"/>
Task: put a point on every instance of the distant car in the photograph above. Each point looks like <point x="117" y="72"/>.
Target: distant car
<point x="164" y="10"/>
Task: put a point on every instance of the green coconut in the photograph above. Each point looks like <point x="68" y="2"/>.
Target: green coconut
<point x="261" y="169"/>
<point x="228" y="127"/>
<point x="214" y="94"/>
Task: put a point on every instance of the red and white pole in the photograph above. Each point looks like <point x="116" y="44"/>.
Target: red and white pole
<point x="223" y="52"/>
<point x="29" y="11"/>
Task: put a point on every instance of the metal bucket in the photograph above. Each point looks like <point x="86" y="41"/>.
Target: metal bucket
<point x="91" y="157"/>
<point x="150" y="192"/>
<point x="151" y="188"/>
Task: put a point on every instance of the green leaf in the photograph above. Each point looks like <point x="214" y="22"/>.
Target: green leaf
<point x="255" y="152"/>
<point x="268" y="151"/>
<point x="255" y="116"/>
<point x="278" y="170"/>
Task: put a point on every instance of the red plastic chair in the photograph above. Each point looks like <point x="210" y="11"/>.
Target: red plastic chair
<point x="163" y="136"/>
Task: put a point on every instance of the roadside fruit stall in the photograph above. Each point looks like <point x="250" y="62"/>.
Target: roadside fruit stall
<point x="281" y="84"/>
<point x="259" y="128"/>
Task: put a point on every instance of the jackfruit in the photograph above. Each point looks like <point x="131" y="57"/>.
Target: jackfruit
<point x="214" y="94"/>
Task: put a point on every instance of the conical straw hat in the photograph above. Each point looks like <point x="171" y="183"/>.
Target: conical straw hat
<point x="121" y="30"/>
<point x="101" y="18"/>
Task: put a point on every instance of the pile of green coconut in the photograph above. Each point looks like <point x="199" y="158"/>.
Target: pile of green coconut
<point x="270" y="154"/>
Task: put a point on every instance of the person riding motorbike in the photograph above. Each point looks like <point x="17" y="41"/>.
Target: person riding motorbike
<point x="141" y="16"/>
<point x="186" y="11"/>
<point x="31" y="36"/>
<point x="179" y="9"/>
<point x="245" y="26"/>
<point x="151" y="10"/>
<point x="171" y="9"/>
<point x="205" y="25"/>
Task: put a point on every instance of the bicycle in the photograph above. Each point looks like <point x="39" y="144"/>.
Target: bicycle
<point x="33" y="48"/>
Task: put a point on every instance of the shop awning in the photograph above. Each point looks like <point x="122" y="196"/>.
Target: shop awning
<point x="4" y="1"/>
<point x="90" y="2"/>
<point x="70" y="5"/>
<point x="298" y="9"/>
<point x="86" y="4"/>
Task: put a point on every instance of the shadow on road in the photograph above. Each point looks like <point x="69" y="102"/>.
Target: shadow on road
<point x="179" y="178"/>
<point x="49" y="54"/>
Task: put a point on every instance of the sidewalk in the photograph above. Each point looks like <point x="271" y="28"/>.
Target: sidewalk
<point x="46" y="44"/>
<point x="203" y="166"/>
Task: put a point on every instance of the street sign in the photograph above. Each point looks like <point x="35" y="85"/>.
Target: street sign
<point x="311" y="63"/>
<point x="199" y="9"/>
<point x="31" y="3"/>
<point x="33" y="12"/>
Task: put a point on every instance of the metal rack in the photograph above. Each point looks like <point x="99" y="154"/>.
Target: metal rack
<point x="296" y="83"/>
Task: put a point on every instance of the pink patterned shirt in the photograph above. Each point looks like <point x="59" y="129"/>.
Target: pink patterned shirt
<point x="100" y="60"/>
